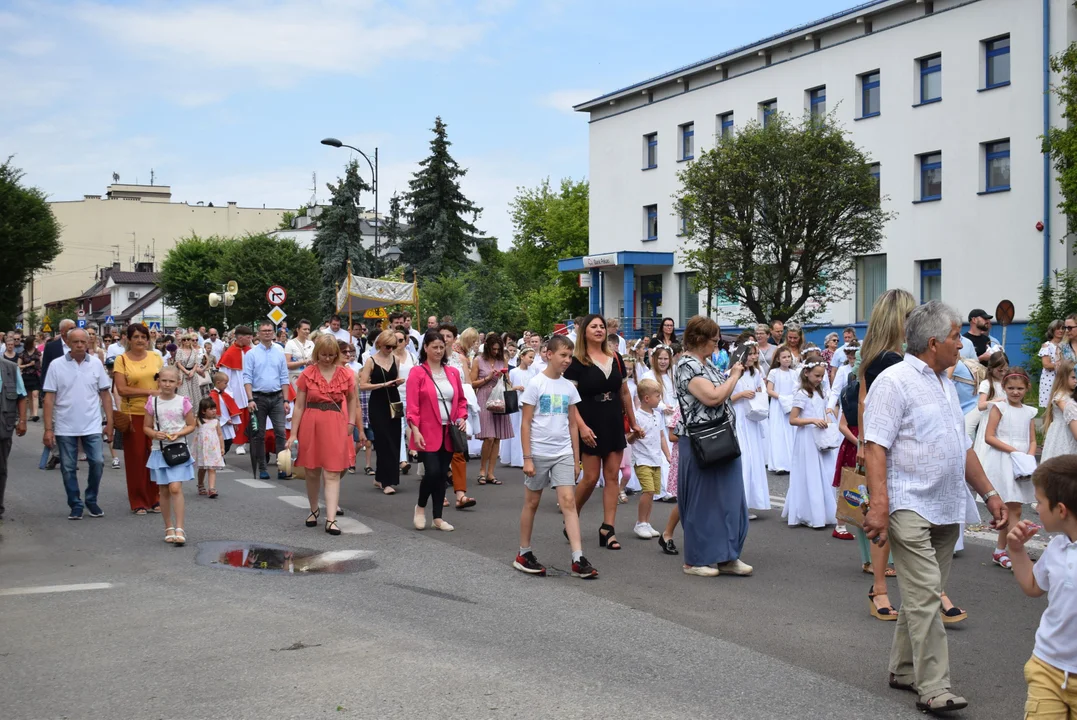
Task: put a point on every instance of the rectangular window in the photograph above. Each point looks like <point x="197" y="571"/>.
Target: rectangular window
<point x="930" y="280"/>
<point x="725" y="124"/>
<point x="817" y="103"/>
<point x="688" y="141"/>
<point x="682" y="224"/>
<point x="931" y="176"/>
<point x="689" y="297"/>
<point x="931" y="79"/>
<point x="997" y="155"/>
<point x="650" y="215"/>
<point x="650" y="151"/>
<point x="876" y="172"/>
<point x="870" y="94"/>
<point x="870" y="284"/>
<point x="768" y="108"/>
<point x="998" y="61"/>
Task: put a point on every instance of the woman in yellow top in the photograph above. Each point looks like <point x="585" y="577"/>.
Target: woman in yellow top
<point x="135" y="375"/>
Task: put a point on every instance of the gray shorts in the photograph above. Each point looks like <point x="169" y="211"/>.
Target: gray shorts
<point x="551" y="471"/>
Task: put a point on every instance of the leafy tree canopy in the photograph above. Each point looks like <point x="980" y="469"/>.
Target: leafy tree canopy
<point x="339" y="238"/>
<point x="442" y="230"/>
<point x="776" y="217"/>
<point x="198" y="266"/>
<point x="29" y="238"/>
<point x="1061" y="142"/>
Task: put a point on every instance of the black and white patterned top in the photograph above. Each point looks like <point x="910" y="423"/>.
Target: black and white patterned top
<point x="692" y="410"/>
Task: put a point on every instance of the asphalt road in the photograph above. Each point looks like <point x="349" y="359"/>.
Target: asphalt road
<point x="440" y="624"/>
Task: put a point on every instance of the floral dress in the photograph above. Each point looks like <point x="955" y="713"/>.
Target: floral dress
<point x="1047" y="377"/>
<point x="206" y="446"/>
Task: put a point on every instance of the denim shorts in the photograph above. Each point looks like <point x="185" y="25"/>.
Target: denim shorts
<point x="551" y="472"/>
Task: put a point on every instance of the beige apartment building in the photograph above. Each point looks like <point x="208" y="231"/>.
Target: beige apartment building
<point x="131" y="224"/>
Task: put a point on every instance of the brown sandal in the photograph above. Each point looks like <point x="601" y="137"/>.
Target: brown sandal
<point x="884" y="613"/>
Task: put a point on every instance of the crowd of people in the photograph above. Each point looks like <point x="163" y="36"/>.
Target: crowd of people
<point x="928" y="415"/>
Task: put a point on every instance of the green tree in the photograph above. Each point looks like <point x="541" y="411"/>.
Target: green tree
<point x="198" y="266"/>
<point x="339" y="238"/>
<point x="440" y="235"/>
<point x="549" y="225"/>
<point x="446" y="295"/>
<point x="189" y="274"/>
<point x="494" y="303"/>
<point x="1061" y="142"/>
<point x="393" y="229"/>
<point x="773" y="214"/>
<point x="256" y="262"/>
<point x="29" y="238"/>
<point x="286" y="219"/>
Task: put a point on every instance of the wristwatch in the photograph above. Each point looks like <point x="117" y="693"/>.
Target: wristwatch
<point x="989" y="494"/>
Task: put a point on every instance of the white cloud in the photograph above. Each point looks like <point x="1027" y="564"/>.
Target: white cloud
<point x="563" y="100"/>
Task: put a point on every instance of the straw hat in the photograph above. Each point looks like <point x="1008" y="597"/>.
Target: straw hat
<point x="284" y="461"/>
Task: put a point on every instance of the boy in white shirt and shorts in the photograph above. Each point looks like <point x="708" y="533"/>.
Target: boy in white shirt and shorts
<point x="551" y="450"/>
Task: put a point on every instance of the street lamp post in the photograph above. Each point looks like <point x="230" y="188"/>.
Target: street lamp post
<point x="333" y="142"/>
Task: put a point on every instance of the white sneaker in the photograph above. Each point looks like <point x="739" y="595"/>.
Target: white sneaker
<point x="753" y="516"/>
<point x="735" y="567"/>
<point x="442" y="525"/>
<point x="643" y="530"/>
<point x="115" y="463"/>
<point x="702" y="571"/>
<point x="241" y="450"/>
<point x="654" y="533"/>
<point x="419" y="518"/>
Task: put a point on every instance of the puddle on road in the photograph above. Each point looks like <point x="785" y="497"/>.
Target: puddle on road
<point x="271" y="559"/>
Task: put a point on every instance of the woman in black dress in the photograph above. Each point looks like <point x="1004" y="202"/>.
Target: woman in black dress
<point x="380" y="378"/>
<point x="665" y="335"/>
<point x="599" y="375"/>
<point x="30" y="365"/>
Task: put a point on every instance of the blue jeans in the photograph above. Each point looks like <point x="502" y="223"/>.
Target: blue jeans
<point x="69" y="463"/>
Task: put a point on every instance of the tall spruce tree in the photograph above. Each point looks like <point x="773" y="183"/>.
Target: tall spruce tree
<point x="393" y="231"/>
<point x="440" y="235"/>
<point x="340" y="235"/>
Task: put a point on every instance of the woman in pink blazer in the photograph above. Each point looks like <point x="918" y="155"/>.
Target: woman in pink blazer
<point x="435" y="399"/>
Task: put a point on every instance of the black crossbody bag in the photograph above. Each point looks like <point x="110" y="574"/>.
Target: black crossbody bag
<point x="174" y="453"/>
<point x="715" y="441"/>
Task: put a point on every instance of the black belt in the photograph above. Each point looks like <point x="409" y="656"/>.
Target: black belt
<point x="606" y="397"/>
<point x="267" y="394"/>
<point x="323" y="406"/>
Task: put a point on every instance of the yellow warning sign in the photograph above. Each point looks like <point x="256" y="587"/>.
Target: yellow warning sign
<point x="46" y="327"/>
<point x="377" y="313"/>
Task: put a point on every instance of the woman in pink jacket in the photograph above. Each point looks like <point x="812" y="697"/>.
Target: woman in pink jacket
<point x="435" y="399"/>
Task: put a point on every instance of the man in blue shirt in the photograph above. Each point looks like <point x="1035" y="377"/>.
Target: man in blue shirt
<point x="12" y="416"/>
<point x="265" y="376"/>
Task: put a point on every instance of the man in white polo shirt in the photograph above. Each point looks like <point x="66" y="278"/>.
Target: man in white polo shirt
<point x="76" y="389"/>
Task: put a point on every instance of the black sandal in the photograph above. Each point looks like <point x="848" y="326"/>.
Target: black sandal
<point x="331" y="527"/>
<point x="312" y="519"/>
<point x="493" y="481"/>
<point x="368" y="470"/>
<point x="609" y="540"/>
<point x="668" y="546"/>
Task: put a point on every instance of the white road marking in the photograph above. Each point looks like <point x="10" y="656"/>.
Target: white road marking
<point x="42" y="589"/>
<point x="251" y="482"/>
<point x="225" y="470"/>
<point x="348" y="525"/>
<point x="777" y="501"/>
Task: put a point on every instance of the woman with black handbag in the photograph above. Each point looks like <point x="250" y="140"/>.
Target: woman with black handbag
<point x="710" y="485"/>
<point x="380" y="377"/>
<point x="437" y="413"/>
<point x="170" y="417"/>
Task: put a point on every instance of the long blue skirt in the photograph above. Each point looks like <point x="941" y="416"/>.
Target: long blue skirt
<point x="714" y="513"/>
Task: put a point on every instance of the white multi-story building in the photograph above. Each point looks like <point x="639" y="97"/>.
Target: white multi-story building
<point x="948" y="99"/>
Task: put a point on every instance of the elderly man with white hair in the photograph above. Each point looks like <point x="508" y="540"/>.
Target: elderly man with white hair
<point x="918" y="457"/>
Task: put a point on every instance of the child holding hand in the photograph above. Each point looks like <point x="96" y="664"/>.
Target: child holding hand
<point x="648" y="451"/>
<point x="1052" y="692"/>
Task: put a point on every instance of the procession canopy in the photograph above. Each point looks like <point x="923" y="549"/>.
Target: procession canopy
<point x="359" y="294"/>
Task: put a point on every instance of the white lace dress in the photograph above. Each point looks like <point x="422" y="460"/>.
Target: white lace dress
<point x="811" y="500"/>
<point x="1013" y="429"/>
<point x="1059" y="439"/>
<point x="1047" y="377"/>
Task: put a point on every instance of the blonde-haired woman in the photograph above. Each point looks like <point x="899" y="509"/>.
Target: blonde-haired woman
<point x="187" y="360"/>
<point x="326" y="409"/>
<point x="468" y="343"/>
<point x="794" y="340"/>
<point x="381" y="378"/>
<point x="883" y="346"/>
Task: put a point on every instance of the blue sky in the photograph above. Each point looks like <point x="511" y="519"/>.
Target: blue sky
<point x="228" y="100"/>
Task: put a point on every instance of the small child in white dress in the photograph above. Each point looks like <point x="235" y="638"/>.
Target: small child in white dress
<point x="1010" y="429"/>
<point x="810" y="500"/>
<point x="781" y="385"/>
<point x="1060" y="432"/>
<point x="207" y="446"/>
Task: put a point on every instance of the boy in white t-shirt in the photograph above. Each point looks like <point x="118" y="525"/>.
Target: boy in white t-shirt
<point x="551" y="450"/>
<point x="647" y="453"/>
<point x="1051" y="672"/>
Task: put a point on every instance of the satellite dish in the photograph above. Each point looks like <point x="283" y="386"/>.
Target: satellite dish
<point x="231" y="287"/>
<point x="214" y="299"/>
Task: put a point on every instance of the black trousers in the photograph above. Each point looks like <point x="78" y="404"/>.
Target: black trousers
<point x="5" y="451"/>
<point x="435" y="478"/>
<point x="271" y="405"/>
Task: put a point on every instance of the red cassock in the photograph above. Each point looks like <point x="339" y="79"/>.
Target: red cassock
<point x="231" y="363"/>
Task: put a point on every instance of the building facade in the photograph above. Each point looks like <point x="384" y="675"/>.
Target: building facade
<point x="131" y="225"/>
<point x="947" y="99"/>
